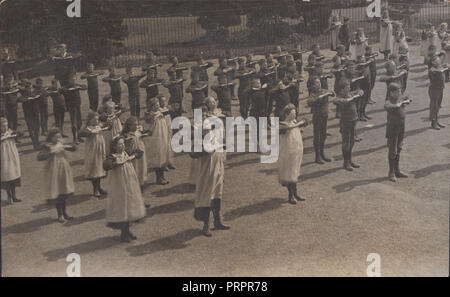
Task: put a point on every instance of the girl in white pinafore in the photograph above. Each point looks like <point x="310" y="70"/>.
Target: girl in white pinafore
<point x="110" y="117"/>
<point x="125" y="204"/>
<point x="58" y="171"/>
<point x="158" y="143"/>
<point x="291" y="151"/>
<point x="166" y="109"/>
<point x="361" y="43"/>
<point x="10" y="171"/>
<point x="399" y="40"/>
<point x="209" y="186"/>
<point x="133" y="134"/>
<point x="334" y="28"/>
<point x="95" y="152"/>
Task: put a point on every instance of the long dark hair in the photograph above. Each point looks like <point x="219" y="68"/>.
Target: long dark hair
<point x="127" y="125"/>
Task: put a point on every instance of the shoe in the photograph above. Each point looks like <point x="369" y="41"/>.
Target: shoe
<point x="171" y="167"/>
<point x="392" y="177"/>
<point x="440" y="125"/>
<point x="367" y="117"/>
<point x="358" y="139"/>
<point x="363" y="119"/>
<point x="206" y="233"/>
<point x="292" y="201"/>
<point x="96" y="194"/>
<point x="102" y="192"/>
<point x="64" y="135"/>
<point x="67" y="217"/>
<point x="319" y="161"/>
<point x="162" y="182"/>
<point x="61" y="220"/>
<point x="435" y="126"/>
<point x="125" y="237"/>
<point x="347" y="166"/>
<point x="147" y="205"/>
<point x="132" y="236"/>
<point x="354" y="165"/>
<point x="220" y="226"/>
<point x="80" y="140"/>
<point x="16" y="200"/>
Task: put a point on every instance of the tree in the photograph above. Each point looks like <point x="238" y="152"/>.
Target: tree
<point x="35" y="26"/>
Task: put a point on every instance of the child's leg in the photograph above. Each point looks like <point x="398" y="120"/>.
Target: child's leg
<point x="58" y="204"/>
<point x="323" y="137"/>
<point x="316" y="141"/>
<point x="8" y="192"/>
<point x="13" y="193"/>
<point x="438" y="107"/>
<point x="125" y="232"/>
<point x="63" y="208"/>
<point x="290" y="187"/>
<point x="215" y="207"/>
<point x="296" y="196"/>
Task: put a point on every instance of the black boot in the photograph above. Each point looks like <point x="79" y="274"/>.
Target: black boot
<point x="160" y="177"/>
<point x="215" y="207"/>
<point x="353" y="164"/>
<point x="13" y="194"/>
<point x="291" y="194"/>
<point x="434" y="125"/>
<point x="322" y="153"/>
<point x="75" y="136"/>
<point x="391" y="175"/>
<point x="296" y="196"/>
<point x="398" y="173"/>
<point x="10" y="199"/>
<point x="318" y="157"/>
<point x="125" y="233"/>
<point x="63" y="208"/>
<point x="59" y="210"/>
<point x="440" y="125"/>
<point x="205" y="229"/>
<point x="96" y="192"/>
<point x="347" y="165"/>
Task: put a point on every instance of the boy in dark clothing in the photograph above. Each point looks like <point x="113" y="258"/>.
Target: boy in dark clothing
<point x="114" y="83"/>
<point x="10" y="96"/>
<point x="151" y="83"/>
<point x="223" y="91"/>
<point x="392" y="75"/>
<point x="403" y="61"/>
<point x="297" y="54"/>
<point x="231" y="62"/>
<point x="344" y="34"/>
<point x="134" y="98"/>
<point x="8" y="67"/>
<point x="175" y="87"/>
<point x="318" y="102"/>
<point x="267" y="77"/>
<point x="370" y="57"/>
<point x="436" y="90"/>
<point x="43" y="105"/>
<point x="292" y="79"/>
<point x="362" y="69"/>
<point x="250" y="62"/>
<point x="92" y="84"/>
<point x="59" y="108"/>
<point x="349" y="116"/>
<point x="245" y="76"/>
<point x="395" y="107"/>
<point x="202" y="69"/>
<point x="73" y="103"/>
<point x="64" y="65"/>
<point x="150" y="63"/>
<point x="197" y="89"/>
<point x="178" y="69"/>
<point x="30" y="105"/>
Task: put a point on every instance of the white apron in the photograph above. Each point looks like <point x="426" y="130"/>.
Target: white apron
<point x="9" y="158"/>
<point x="290" y="157"/>
<point x="95" y="153"/>
<point x="125" y="203"/>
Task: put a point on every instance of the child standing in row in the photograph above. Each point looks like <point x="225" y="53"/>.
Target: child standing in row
<point x="166" y="110"/>
<point x="114" y="83"/>
<point x="133" y="134"/>
<point x="125" y="204"/>
<point x="395" y="107"/>
<point x="291" y="152"/>
<point x="92" y="85"/>
<point x="59" y="106"/>
<point x="132" y="81"/>
<point x="158" y="144"/>
<point x="10" y="171"/>
<point x="95" y="152"/>
<point x="60" y="178"/>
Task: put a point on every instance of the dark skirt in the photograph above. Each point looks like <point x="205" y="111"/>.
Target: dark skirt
<point x="7" y="184"/>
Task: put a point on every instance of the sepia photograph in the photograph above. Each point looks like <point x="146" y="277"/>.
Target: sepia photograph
<point x="225" y="139"/>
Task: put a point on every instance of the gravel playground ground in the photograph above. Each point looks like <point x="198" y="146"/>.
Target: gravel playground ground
<point x="346" y="215"/>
